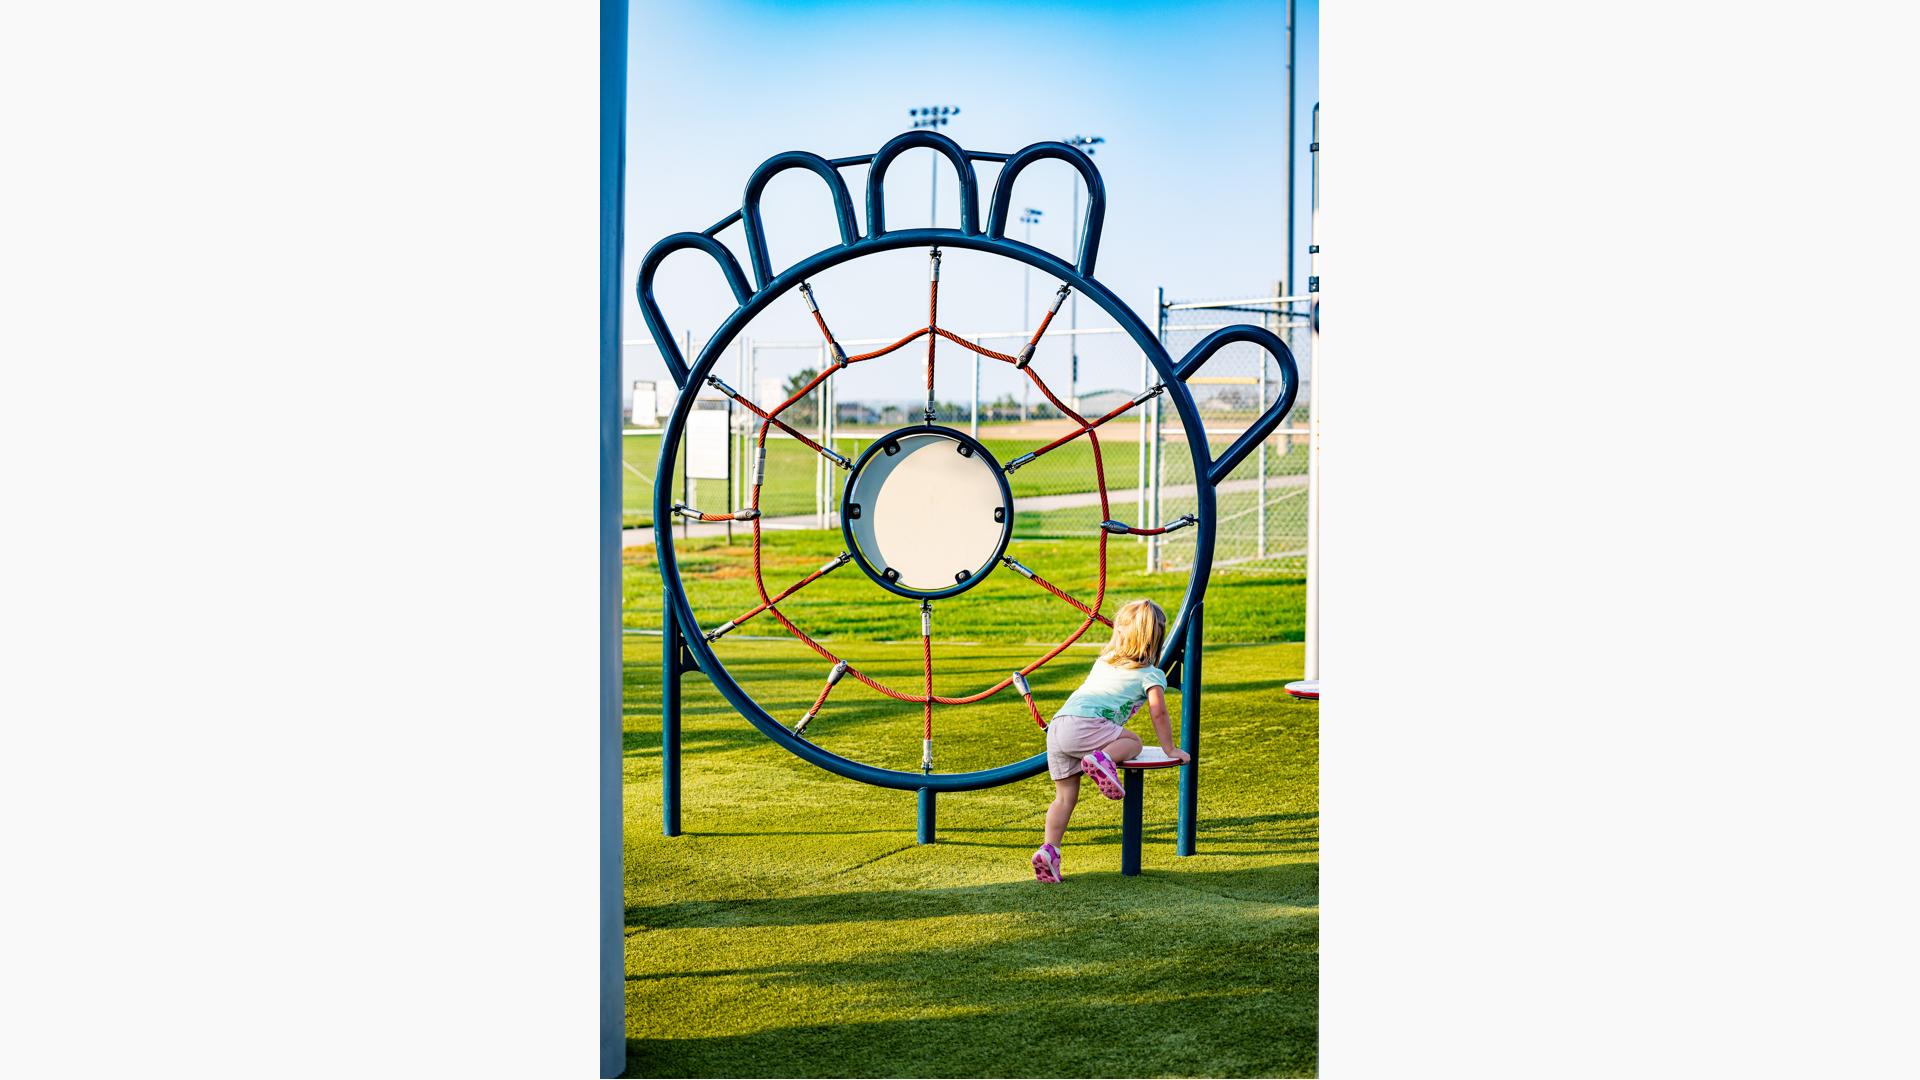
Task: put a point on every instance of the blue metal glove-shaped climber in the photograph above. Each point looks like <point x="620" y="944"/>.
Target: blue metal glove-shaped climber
<point x="914" y="552"/>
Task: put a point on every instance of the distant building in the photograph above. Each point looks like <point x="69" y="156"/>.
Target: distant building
<point x="1102" y="402"/>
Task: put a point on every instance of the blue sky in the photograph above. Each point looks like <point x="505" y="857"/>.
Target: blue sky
<point x="1189" y="96"/>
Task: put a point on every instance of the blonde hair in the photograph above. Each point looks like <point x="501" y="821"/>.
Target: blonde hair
<point x="1139" y="629"/>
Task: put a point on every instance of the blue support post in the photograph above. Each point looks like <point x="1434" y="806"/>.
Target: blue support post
<point x="1132" y="810"/>
<point x="671" y="666"/>
<point x="613" y="908"/>
<point x="926" y="815"/>
<point x="1190" y="734"/>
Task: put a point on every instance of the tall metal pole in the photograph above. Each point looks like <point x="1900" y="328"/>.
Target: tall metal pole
<point x="974" y="423"/>
<point x="1309" y="685"/>
<point x="1154" y="464"/>
<point x="686" y="481"/>
<point x="613" y="168"/>
<point x="933" y="116"/>
<point x="1028" y="217"/>
<point x="1085" y="143"/>
<point x="746" y="423"/>
<point x="1260" y="409"/>
<point x="830" y="401"/>
<point x="752" y="380"/>
<point x="1313" y="419"/>
<point x="1140" y="447"/>
<point x="730" y="503"/>
<point x="1073" y="311"/>
<point x="1291" y="54"/>
<point x="820" y="465"/>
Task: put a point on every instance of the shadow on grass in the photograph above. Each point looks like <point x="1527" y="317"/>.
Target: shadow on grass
<point x="1294" y="884"/>
<point x="1083" y="833"/>
<point x="1172" y="981"/>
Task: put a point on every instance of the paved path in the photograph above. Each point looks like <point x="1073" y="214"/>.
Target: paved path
<point x="1122" y="499"/>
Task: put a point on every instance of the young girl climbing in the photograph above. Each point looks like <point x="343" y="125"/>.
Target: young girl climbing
<point x="1085" y="735"/>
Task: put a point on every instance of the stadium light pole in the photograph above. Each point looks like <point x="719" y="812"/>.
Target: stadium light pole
<point x="1292" y="112"/>
<point x="933" y="116"/>
<point x="1085" y="143"/>
<point x="1028" y="217"/>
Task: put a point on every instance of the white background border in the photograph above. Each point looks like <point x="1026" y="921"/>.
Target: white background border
<point x="299" y="759"/>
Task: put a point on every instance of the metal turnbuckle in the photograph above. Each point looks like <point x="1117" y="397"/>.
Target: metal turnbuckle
<point x="833" y="677"/>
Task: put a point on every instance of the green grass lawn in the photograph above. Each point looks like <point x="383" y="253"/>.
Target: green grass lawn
<point x="796" y="929"/>
<point x="1006" y="608"/>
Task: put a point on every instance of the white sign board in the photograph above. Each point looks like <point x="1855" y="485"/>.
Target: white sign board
<point x="645" y="411"/>
<point x="707" y="444"/>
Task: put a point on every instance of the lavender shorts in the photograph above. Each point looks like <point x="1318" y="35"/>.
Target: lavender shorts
<point x="1070" y="738"/>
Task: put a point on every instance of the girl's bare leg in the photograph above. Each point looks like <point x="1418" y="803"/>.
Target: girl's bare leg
<point x="1066" y="793"/>
<point x="1124" y="748"/>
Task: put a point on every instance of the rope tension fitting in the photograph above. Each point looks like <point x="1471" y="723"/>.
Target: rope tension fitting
<point x="833" y="677"/>
<point x="1020" y="684"/>
<point x="926" y="641"/>
<point x="1121" y="528"/>
<point x="933" y="323"/>
<point x="695" y="514"/>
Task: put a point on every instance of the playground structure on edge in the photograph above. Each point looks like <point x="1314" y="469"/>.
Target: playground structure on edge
<point x="927" y="513"/>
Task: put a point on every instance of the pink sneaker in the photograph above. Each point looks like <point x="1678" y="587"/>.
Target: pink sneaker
<point x="1106" y="776"/>
<point x="1046" y="865"/>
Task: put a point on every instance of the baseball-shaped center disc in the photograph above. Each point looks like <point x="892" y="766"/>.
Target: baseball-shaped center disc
<point x="927" y="512"/>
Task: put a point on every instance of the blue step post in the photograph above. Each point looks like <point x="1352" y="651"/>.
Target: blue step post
<point x="1132" y="811"/>
<point x="671" y="666"/>
<point x="1190" y="734"/>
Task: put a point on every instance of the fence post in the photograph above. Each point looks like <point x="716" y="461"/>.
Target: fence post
<point x="686" y="482"/>
<point x="743" y="448"/>
<point x="820" y="463"/>
<point x="974" y="423"/>
<point x="830" y="401"/>
<point x="1158" y="464"/>
<point x="731" y="505"/>
<point x="1260" y="409"/>
<point x="1140" y="449"/>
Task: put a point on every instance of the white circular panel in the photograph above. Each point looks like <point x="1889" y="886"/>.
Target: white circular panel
<point x="928" y="512"/>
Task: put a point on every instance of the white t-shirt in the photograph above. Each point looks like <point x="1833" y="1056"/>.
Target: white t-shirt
<point x="1113" y="692"/>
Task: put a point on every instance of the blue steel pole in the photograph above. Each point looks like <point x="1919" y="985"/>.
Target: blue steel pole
<point x="926" y="816"/>
<point x="671" y="666"/>
<point x="613" y="150"/>
<point x="1190" y="733"/>
<point x="1132" y="817"/>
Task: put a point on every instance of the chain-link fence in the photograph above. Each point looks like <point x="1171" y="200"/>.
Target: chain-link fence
<point x="1262" y="504"/>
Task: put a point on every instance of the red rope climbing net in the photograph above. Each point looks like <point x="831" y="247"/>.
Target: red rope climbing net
<point x="770" y="419"/>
